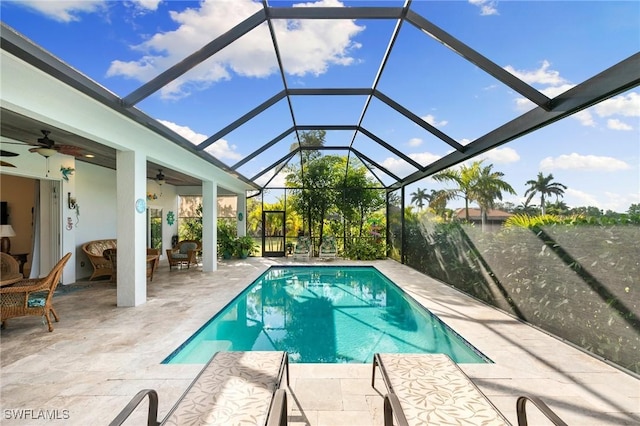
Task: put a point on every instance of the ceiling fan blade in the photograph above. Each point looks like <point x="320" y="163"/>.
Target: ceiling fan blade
<point x="5" y="164"/>
<point x="4" y="153"/>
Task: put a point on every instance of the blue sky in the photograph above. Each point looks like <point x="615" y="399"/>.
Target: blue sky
<point x="550" y="45"/>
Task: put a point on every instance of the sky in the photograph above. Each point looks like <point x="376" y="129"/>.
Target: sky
<point x="550" y="45"/>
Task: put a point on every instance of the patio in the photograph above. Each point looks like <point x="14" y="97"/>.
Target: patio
<point x="99" y="356"/>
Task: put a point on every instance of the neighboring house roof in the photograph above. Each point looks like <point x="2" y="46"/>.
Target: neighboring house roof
<point x="474" y="214"/>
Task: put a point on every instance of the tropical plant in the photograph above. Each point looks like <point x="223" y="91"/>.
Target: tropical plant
<point x="488" y="188"/>
<point x="226" y="238"/>
<point x="465" y="178"/>
<point x="419" y="197"/>
<point x="244" y="246"/>
<point x="545" y="186"/>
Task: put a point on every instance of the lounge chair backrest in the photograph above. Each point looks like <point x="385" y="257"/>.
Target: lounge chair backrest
<point x="233" y="388"/>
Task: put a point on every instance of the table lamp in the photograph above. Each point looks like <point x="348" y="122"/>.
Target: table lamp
<point x="6" y="231"/>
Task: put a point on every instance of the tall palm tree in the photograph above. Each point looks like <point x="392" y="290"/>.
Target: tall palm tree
<point x="419" y="197"/>
<point x="466" y="178"/>
<point x="488" y="188"/>
<point x="544" y="186"/>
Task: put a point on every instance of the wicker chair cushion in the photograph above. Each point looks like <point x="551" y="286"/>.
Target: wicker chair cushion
<point x="98" y="247"/>
<point x="185" y="248"/>
<point x="433" y="390"/>
<point x="237" y="391"/>
<point x="180" y="256"/>
<point x="35" y="302"/>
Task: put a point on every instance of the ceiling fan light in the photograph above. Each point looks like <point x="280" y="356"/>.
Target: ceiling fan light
<point x="46" y="152"/>
<point x="160" y="178"/>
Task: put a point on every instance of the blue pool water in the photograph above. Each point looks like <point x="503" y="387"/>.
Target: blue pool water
<point x="325" y="315"/>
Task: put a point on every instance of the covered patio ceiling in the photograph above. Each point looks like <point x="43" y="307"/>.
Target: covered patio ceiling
<point x="348" y="112"/>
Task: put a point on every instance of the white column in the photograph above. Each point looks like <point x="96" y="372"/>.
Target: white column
<point x="132" y="218"/>
<point x="241" y="215"/>
<point x="209" y="226"/>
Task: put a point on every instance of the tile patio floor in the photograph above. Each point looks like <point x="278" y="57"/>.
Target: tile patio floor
<point x="100" y="355"/>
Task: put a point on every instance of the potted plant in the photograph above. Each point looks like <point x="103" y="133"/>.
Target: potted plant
<point x="226" y="240"/>
<point x="244" y="246"/>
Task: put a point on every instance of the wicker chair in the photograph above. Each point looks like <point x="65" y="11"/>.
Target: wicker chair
<point x="32" y="296"/>
<point x="9" y="267"/>
<point x="185" y="253"/>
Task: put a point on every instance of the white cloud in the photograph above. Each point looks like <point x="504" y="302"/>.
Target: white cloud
<point x="585" y="118"/>
<point x="432" y="120"/>
<point x="64" y="11"/>
<point x="543" y="75"/>
<point x="626" y="105"/>
<point x="278" y="182"/>
<point x="487" y="7"/>
<point x="500" y="156"/>
<point x="147" y="4"/>
<point x="413" y="142"/>
<point x="576" y="161"/>
<point x="577" y="198"/>
<point x="307" y="46"/>
<point x="615" y="124"/>
<point x="401" y="168"/>
<point x="219" y="149"/>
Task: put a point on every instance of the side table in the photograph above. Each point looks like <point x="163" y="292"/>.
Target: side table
<point x="21" y="258"/>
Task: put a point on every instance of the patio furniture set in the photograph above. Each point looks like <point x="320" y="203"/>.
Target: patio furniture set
<point x="246" y="388"/>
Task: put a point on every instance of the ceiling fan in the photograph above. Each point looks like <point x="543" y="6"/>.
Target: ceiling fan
<point x="4" y="153"/>
<point x="47" y="147"/>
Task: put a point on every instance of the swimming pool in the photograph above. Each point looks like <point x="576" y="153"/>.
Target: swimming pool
<point x="325" y="314"/>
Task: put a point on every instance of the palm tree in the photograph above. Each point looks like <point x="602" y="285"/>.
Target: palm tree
<point x="419" y="197"/>
<point x="544" y="186"/>
<point x="438" y="201"/>
<point x="466" y="178"/>
<point x="488" y="188"/>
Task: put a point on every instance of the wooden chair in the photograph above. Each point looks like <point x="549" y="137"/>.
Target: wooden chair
<point x="185" y="253"/>
<point x="233" y="388"/>
<point x="32" y="296"/>
<point x="153" y="259"/>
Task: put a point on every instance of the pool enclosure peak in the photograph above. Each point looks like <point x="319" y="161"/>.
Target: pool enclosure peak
<point x="368" y="78"/>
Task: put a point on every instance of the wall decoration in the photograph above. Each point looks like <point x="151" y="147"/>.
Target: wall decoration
<point x="141" y="205"/>
<point x="170" y="218"/>
<point x="66" y="172"/>
<point x="151" y="196"/>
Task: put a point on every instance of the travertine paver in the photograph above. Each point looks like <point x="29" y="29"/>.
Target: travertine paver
<point x="99" y="356"/>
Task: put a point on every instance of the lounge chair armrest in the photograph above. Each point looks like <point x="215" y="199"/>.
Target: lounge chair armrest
<point x="544" y="409"/>
<point x="392" y="407"/>
<point x="278" y="411"/>
<point x="152" y="418"/>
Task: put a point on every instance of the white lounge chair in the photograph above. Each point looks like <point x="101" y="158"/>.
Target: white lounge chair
<point x="303" y="249"/>
<point x="328" y="248"/>
<point x="233" y="388"/>
<point x="432" y="389"/>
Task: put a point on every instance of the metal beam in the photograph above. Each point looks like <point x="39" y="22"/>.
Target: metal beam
<point x="419" y="121"/>
<point x="240" y="121"/>
<point x="335" y="12"/>
<point x="392" y="149"/>
<point x="330" y="91"/>
<point x="477" y="59"/>
<point x="619" y="78"/>
<point x="262" y="148"/>
<point x="369" y="160"/>
<point x="284" y="158"/>
<point x="327" y="127"/>
<point x="194" y="59"/>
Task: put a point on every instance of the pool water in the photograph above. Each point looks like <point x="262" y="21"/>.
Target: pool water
<point x="325" y="314"/>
